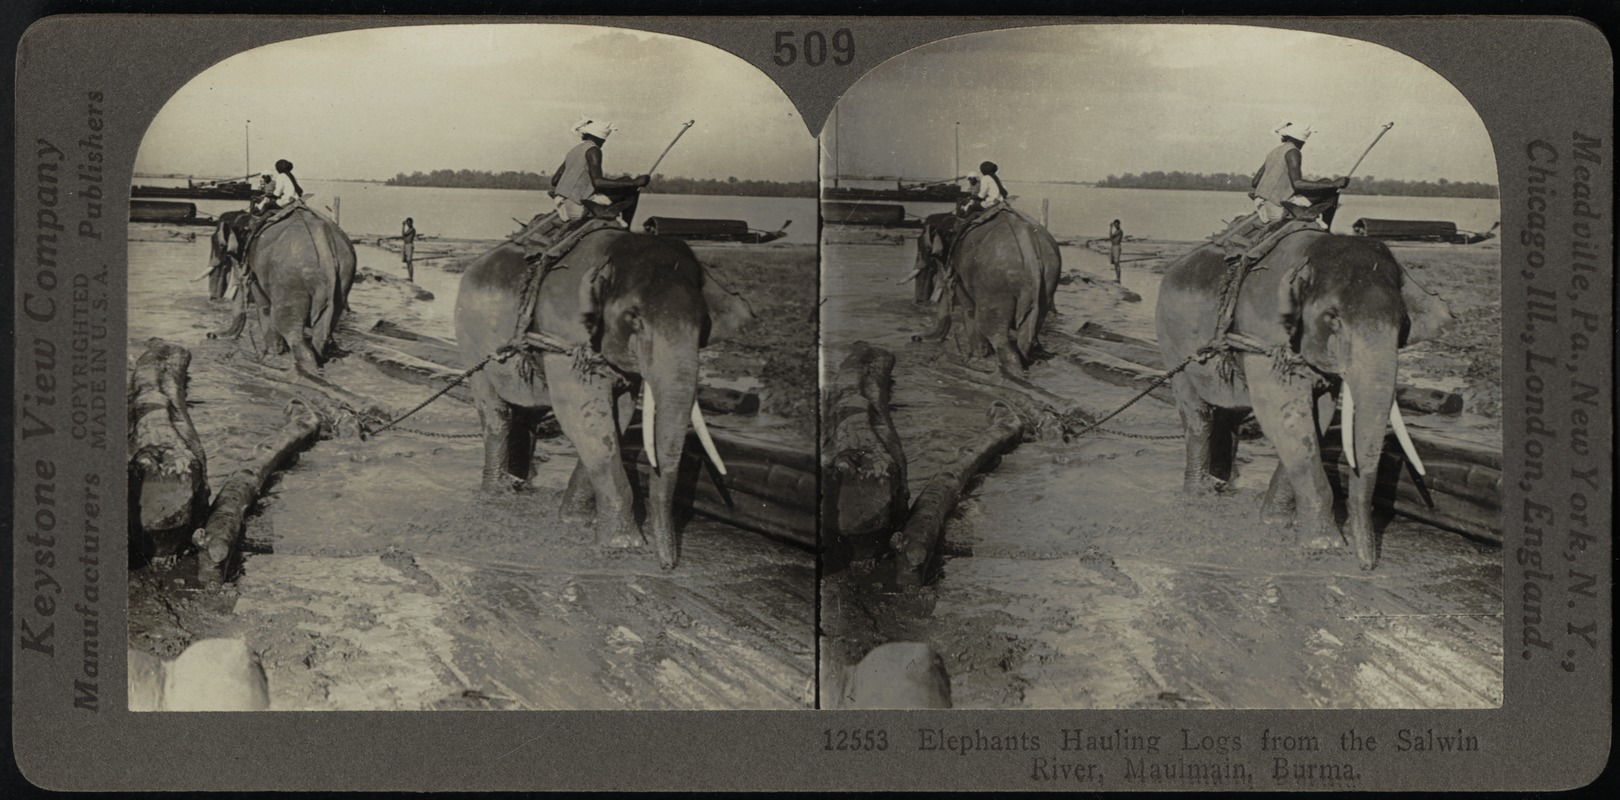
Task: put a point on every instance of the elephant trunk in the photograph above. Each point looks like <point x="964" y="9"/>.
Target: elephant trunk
<point x="922" y="275"/>
<point x="1367" y="396"/>
<point x="669" y="386"/>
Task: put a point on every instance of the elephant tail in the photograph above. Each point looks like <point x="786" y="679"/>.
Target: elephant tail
<point x="323" y="319"/>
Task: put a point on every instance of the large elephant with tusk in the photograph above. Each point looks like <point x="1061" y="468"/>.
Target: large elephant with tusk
<point x="645" y="305"/>
<point x="1330" y="310"/>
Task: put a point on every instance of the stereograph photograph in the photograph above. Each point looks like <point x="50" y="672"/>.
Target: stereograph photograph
<point x="1025" y="230"/>
<point x="1233" y="394"/>
<point x="473" y="367"/>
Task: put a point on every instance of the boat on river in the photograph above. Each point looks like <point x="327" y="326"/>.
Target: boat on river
<point x="711" y="230"/>
<point x="198" y="190"/>
<point x="1418" y="230"/>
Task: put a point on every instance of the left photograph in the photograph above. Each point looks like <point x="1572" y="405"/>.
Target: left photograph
<point x="473" y="367"/>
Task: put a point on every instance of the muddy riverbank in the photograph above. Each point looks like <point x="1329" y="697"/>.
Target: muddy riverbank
<point x="1077" y="576"/>
<point x="377" y="577"/>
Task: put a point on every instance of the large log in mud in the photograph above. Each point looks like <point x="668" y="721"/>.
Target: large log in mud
<point x="919" y="542"/>
<point x="1463" y="482"/>
<point x="864" y="465"/>
<point x="220" y="540"/>
<point x="168" y="471"/>
<point x="770" y="488"/>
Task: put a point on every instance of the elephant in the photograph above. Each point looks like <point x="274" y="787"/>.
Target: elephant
<point x="1006" y="271"/>
<point x="937" y="232"/>
<point x="225" y="251"/>
<point x="300" y="268"/>
<point x="1329" y="309"/>
<point x="646" y="306"/>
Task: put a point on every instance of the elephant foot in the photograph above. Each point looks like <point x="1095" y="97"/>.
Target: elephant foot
<point x="506" y="483"/>
<point x="622" y="536"/>
<point x="1276" y="512"/>
<point x="577" y="513"/>
<point x="1319" y="537"/>
<point x="1205" y="486"/>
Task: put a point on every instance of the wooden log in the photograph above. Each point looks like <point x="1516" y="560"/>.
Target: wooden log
<point x="865" y="466"/>
<point x="727" y="401"/>
<point x="919" y="542"/>
<point x="220" y="540"/>
<point x="168" y="475"/>
<point x="406" y="367"/>
<point x="1466" y="494"/>
<point x="1428" y="401"/>
<point x="771" y="489"/>
<point x="1110" y="369"/>
<point x="409" y="287"/>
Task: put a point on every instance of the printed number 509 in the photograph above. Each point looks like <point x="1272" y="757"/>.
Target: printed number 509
<point x="813" y="47"/>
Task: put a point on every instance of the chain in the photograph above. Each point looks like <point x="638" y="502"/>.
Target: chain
<point x="1157" y="382"/>
<point x="436" y="435"/>
<point x="499" y="355"/>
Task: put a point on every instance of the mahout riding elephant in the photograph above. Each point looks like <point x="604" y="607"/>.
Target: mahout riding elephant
<point x="1330" y="309"/>
<point x="1006" y="271"/>
<point x="646" y="305"/>
<point x="300" y="268"/>
<point x="225" y="251"/>
<point x="937" y="232"/>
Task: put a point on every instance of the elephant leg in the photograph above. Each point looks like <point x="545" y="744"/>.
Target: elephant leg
<point x="1287" y="417"/>
<point x="495" y="417"/>
<point x="1197" y="420"/>
<point x="289" y="323"/>
<point x="1012" y="362"/>
<point x="584" y="408"/>
<point x="1223" y="428"/>
<point x="520" y="453"/>
<point x="1279" y="505"/>
<point x="942" y="324"/>
<point x="579" y="499"/>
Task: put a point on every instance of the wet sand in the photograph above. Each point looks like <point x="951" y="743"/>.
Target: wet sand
<point x="1078" y="576"/>
<point x="378" y="578"/>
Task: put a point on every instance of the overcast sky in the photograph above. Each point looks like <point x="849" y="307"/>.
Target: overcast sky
<point x="1084" y="102"/>
<point x="370" y="104"/>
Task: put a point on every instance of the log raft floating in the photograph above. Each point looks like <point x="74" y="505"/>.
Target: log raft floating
<point x="168" y="483"/>
<point x="865" y="467"/>
<point x="917" y="545"/>
<point x="220" y="540"/>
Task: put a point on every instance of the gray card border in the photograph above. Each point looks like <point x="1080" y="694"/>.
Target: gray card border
<point x="1535" y="82"/>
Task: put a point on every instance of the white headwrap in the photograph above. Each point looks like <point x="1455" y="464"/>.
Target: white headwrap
<point x="595" y="127"/>
<point x="1297" y="131"/>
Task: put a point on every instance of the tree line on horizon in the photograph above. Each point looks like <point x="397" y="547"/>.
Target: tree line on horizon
<point x="1237" y="182"/>
<point x="661" y="184"/>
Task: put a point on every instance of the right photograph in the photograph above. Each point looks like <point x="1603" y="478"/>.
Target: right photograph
<point x="1161" y="368"/>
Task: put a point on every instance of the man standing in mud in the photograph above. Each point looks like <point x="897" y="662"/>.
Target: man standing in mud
<point x="1116" y="242"/>
<point x="407" y="249"/>
<point x="1279" y="185"/>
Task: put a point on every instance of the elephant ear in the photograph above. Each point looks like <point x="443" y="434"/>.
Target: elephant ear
<point x="936" y="242"/>
<point x="729" y="312"/>
<point x="1427" y="316"/>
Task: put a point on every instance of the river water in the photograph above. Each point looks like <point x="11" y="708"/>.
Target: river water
<point x="371" y="209"/>
<point x="1187" y="215"/>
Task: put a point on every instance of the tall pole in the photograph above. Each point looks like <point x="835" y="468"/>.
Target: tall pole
<point x="958" y="167"/>
<point x="247" y="149"/>
<point x="835" y="147"/>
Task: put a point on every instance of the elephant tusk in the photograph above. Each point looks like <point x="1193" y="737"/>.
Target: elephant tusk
<point x="702" y="429"/>
<point x="649" y="412"/>
<point x="1399" y="424"/>
<point x="1347" y="424"/>
<point x="909" y="278"/>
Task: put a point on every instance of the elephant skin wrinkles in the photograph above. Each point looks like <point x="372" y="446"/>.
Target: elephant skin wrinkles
<point x="646" y="305"/>
<point x="1343" y="313"/>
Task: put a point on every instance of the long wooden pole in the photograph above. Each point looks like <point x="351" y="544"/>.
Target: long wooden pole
<point x="678" y="135"/>
<point x="1381" y="132"/>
